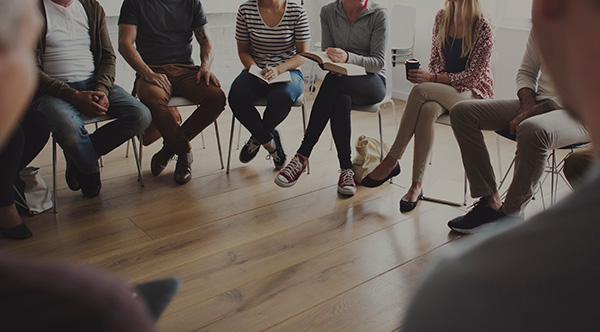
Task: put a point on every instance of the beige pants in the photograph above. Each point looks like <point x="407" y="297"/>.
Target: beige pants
<point x="426" y="102"/>
<point x="535" y="137"/>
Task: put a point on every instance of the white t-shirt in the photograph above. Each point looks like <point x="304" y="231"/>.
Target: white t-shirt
<point x="68" y="56"/>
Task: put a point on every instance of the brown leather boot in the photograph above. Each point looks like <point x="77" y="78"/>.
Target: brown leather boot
<point x="160" y="160"/>
<point x="183" y="168"/>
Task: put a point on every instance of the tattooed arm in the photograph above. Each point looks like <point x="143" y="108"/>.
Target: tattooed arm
<point x="206" y="56"/>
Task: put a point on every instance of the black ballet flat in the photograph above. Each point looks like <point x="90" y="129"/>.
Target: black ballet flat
<point x="19" y="232"/>
<point x="406" y="206"/>
<point x="370" y="183"/>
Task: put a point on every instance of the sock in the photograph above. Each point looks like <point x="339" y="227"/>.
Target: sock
<point x="271" y="146"/>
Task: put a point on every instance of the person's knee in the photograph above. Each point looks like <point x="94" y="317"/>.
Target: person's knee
<point x="531" y="133"/>
<point x="216" y="99"/>
<point x="460" y="112"/>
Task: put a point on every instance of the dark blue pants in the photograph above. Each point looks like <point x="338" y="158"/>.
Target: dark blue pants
<point x="247" y="88"/>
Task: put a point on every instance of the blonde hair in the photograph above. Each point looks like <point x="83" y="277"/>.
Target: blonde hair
<point x="470" y="10"/>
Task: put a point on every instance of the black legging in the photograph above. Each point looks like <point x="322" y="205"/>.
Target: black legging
<point x="28" y="140"/>
<point x="334" y="102"/>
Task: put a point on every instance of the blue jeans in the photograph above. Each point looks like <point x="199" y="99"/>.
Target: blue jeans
<point x="247" y="88"/>
<point x="84" y="149"/>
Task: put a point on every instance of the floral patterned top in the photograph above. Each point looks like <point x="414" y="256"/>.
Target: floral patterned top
<point x="477" y="76"/>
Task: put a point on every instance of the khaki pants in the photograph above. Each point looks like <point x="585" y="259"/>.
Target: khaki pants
<point x="426" y="102"/>
<point x="535" y="137"/>
<point x="183" y="80"/>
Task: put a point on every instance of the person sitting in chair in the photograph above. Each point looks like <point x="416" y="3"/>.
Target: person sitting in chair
<point x="77" y="72"/>
<point x="540" y="125"/>
<point x="162" y="34"/>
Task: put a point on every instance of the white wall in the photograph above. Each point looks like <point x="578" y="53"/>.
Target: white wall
<point x="112" y="7"/>
<point x="510" y="45"/>
<point x="510" y="42"/>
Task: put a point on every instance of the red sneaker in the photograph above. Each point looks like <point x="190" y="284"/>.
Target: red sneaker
<point x="288" y="176"/>
<point x="346" y="185"/>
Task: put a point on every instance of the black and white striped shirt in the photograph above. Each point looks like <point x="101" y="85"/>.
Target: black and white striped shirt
<point x="271" y="46"/>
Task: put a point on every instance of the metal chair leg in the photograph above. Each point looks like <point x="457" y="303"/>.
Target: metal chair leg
<point x="219" y="144"/>
<point x="54" y="198"/>
<point x="230" y="143"/>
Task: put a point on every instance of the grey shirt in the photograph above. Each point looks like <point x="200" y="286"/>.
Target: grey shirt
<point x="539" y="275"/>
<point x="365" y="39"/>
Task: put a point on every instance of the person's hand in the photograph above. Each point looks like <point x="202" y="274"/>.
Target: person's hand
<point x="85" y="102"/>
<point x="417" y="76"/>
<point x="337" y="54"/>
<point x="270" y="73"/>
<point x="160" y="80"/>
<point x="206" y="76"/>
<point x="101" y="99"/>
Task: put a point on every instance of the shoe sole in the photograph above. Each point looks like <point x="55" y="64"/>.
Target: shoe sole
<point x="478" y="229"/>
<point x="346" y="192"/>
<point x="284" y="184"/>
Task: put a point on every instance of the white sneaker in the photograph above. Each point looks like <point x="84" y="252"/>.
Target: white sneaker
<point x="346" y="185"/>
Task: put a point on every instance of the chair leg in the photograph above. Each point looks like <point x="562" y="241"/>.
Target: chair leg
<point x="239" y="134"/>
<point x="138" y="162"/>
<point x="304" y="127"/>
<point x="54" y="198"/>
<point x="219" y="144"/>
<point x="127" y="150"/>
<point x="202" y="137"/>
<point x="230" y="143"/>
<point x="101" y="159"/>
<point x="380" y="136"/>
<point x="465" y="192"/>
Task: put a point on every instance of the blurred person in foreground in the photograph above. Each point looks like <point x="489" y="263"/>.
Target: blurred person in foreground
<point x="45" y="296"/>
<point x="540" y="275"/>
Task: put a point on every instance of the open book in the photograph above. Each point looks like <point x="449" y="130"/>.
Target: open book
<point x="283" y="77"/>
<point x="342" y="68"/>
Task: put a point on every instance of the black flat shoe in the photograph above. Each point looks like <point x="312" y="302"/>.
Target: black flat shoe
<point x="406" y="206"/>
<point x="370" y="183"/>
<point x="19" y="232"/>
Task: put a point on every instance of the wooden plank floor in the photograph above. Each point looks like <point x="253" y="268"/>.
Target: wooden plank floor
<point x="253" y="256"/>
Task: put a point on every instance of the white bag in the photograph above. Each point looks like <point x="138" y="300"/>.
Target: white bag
<point x="37" y="194"/>
<point x="368" y="152"/>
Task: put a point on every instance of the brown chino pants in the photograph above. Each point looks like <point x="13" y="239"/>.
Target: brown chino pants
<point x="183" y="80"/>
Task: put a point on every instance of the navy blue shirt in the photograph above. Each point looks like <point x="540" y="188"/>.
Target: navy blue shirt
<point x="164" y="28"/>
<point x="452" y="50"/>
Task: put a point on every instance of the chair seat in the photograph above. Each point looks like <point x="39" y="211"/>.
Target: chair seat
<point x="506" y="134"/>
<point x="88" y="120"/>
<point x="180" y="101"/>
<point x="262" y="102"/>
<point x="367" y="108"/>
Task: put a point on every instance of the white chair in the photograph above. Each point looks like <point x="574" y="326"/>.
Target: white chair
<point x="94" y="121"/>
<point x="553" y="168"/>
<point x="402" y="33"/>
<point x="444" y="119"/>
<point x="182" y="102"/>
<point x="262" y="102"/>
<point x="377" y="108"/>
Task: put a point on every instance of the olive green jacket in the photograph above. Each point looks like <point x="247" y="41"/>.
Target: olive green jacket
<point x="102" y="50"/>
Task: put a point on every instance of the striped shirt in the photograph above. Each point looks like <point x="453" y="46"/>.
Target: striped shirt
<point x="271" y="45"/>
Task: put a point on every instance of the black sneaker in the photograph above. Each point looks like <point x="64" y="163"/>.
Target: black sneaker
<point x="90" y="184"/>
<point x="480" y="215"/>
<point x="249" y="151"/>
<point x="71" y="174"/>
<point x="278" y="156"/>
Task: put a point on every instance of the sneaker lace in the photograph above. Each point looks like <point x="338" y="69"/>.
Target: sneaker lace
<point x="251" y="145"/>
<point x="293" y="168"/>
<point x="347" y="177"/>
<point x="273" y="155"/>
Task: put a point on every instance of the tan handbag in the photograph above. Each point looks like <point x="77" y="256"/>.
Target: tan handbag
<point x="368" y="152"/>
